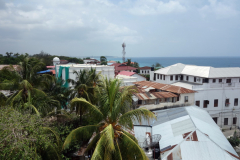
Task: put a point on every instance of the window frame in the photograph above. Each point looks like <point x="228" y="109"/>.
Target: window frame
<point x="225" y="121"/>
<point x="215" y="102"/>
<point x="235" y="101"/>
<point x="197" y="103"/>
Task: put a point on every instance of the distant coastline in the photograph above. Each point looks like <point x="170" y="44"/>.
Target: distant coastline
<point x="200" y="61"/>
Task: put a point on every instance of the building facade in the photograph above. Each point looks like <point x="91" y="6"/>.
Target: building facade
<point x="67" y="71"/>
<point x="145" y="70"/>
<point x="217" y="89"/>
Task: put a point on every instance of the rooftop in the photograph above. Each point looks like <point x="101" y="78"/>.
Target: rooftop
<point x="126" y="73"/>
<point x="200" y="71"/>
<point x="165" y="87"/>
<point x="145" y="67"/>
<point x="190" y="133"/>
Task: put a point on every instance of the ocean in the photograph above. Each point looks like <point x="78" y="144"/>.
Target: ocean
<point x="199" y="61"/>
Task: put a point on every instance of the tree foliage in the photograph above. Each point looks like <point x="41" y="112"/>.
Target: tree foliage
<point x="26" y="136"/>
<point x="112" y="139"/>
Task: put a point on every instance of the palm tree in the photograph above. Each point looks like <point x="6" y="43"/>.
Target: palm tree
<point x="110" y="136"/>
<point x="86" y="81"/>
<point x="28" y="97"/>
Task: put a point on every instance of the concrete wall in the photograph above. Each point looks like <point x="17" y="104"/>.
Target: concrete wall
<point x="139" y="78"/>
<point x="140" y="133"/>
<point x="142" y="71"/>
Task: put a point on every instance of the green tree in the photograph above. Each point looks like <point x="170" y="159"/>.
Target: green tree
<point x="110" y="137"/>
<point x="129" y="62"/>
<point x="26" y="136"/>
<point x="103" y="59"/>
<point x="84" y="87"/>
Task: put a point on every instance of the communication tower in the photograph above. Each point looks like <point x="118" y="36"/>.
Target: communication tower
<point x="123" y="52"/>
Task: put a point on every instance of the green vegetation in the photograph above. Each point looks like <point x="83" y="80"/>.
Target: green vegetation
<point x="41" y="114"/>
<point x="103" y="60"/>
<point x="11" y="58"/>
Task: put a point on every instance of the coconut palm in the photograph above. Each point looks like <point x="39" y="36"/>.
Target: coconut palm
<point x="110" y="137"/>
<point x="28" y="97"/>
<point x="83" y="86"/>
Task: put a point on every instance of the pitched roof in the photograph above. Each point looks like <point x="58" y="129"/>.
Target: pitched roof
<point x="126" y="73"/>
<point x="122" y="66"/>
<point x="200" y="71"/>
<point x="145" y="67"/>
<point x="190" y="133"/>
<point x="164" y="87"/>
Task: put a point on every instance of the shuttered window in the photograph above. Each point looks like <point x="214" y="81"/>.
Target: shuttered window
<point x="215" y="102"/>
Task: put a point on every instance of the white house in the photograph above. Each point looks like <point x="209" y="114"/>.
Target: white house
<point x="145" y="70"/>
<point x="66" y="71"/>
<point x="217" y="89"/>
<point x="128" y="78"/>
<point x="153" y="95"/>
<point x="91" y="61"/>
<point x="185" y="133"/>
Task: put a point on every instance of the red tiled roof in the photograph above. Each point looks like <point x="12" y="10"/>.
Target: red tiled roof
<point x="120" y="68"/>
<point x="164" y="87"/>
<point x="126" y="73"/>
<point x="50" y="66"/>
<point x="145" y="67"/>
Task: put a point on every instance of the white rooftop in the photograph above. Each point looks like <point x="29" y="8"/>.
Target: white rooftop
<point x="210" y="143"/>
<point x="200" y="71"/>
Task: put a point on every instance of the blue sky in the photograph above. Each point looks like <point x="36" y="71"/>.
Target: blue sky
<point x="98" y="27"/>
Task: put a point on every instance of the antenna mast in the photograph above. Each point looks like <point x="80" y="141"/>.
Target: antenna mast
<point x="123" y="52"/>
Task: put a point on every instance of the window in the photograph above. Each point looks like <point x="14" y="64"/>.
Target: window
<point x="215" y="119"/>
<point x="186" y="99"/>
<point x="225" y="121"/>
<point x="220" y="80"/>
<point x="145" y="71"/>
<point x="228" y="80"/>
<point x="177" y="98"/>
<point x="148" y="71"/>
<point x="154" y="77"/>
<point x="236" y="102"/>
<point x="227" y="102"/>
<point x="197" y="103"/>
<point x="160" y="76"/>
<point x="215" y="102"/>
<point x="195" y="79"/>
<point x="171" y="78"/>
<point x="163" y="77"/>
<point x="205" y="103"/>
<point x="234" y="120"/>
<point x="187" y="78"/>
<point x="205" y="80"/>
<point x="176" y="77"/>
<point x="214" y="80"/>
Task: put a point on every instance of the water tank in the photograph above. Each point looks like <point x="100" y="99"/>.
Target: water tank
<point x="56" y="61"/>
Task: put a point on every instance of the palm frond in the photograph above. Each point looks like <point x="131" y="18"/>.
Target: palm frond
<point x="137" y="114"/>
<point x="80" y="133"/>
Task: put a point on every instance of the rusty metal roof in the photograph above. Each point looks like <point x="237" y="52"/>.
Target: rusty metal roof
<point x="164" y="87"/>
<point x="164" y="94"/>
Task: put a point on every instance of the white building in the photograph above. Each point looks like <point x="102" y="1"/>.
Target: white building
<point x="145" y="70"/>
<point x="153" y="95"/>
<point x="91" y="61"/>
<point x="128" y="78"/>
<point x="187" y="133"/>
<point x="66" y="71"/>
<point x="217" y="89"/>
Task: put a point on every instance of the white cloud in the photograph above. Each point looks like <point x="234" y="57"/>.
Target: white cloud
<point x="219" y="9"/>
<point x="90" y="17"/>
<point x="154" y="7"/>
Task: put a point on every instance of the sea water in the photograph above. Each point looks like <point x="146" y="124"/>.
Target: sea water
<point x="199" y="61"/>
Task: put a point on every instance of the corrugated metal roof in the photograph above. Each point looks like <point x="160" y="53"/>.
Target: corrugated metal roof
<point x="164" y="87"/>
<point x="200" y="71"/>
<point x="179" y="126"/>
<point x="193" y="118"/>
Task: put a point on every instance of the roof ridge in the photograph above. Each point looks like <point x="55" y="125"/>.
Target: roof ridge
<point x="215" y="143"/>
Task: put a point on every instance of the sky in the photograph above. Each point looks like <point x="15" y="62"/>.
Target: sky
<point x="150" y="28"/>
